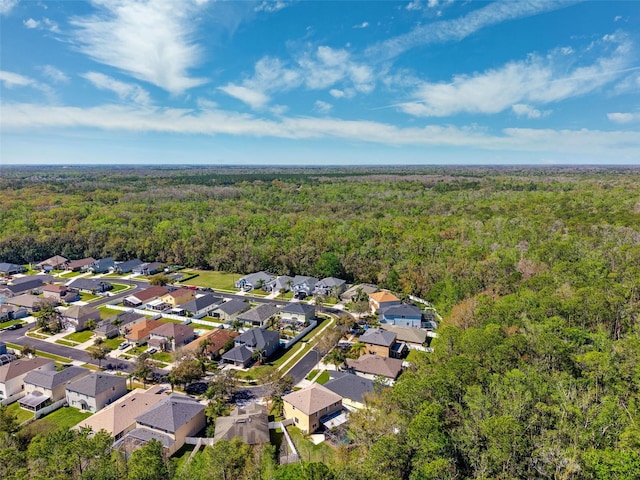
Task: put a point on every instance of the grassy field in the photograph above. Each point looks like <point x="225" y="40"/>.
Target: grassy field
<point x="80" y="337"/>
<point x="21" y="414"/>
<point x="217" y="280"/>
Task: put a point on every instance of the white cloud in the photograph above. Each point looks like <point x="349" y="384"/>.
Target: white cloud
<point x="536" y="80"/>
<point x="271" y="6"/>
<point x="54" y="74"/>
<point x="629" y="84"/>
<point x="432" y="3"/>
<point x="151" y="40"/>
<point x="125" y="91"/>
<point x="31" y="23"/>
<point x="335" y="93"/>
<point x="133" y="118"/>
<point x="414" y="5"/>
<point x="624" y="117"/>
<point x="11" y="80"/>
<point x="617" y="18"/>
<point x="323" y="107"/>
<point x="523" y="110"/>
<point x="254" y="98"/>
<point x="6" y="6"/>
<point x="51" y="25"/>
<point x="456" y="30"/>
<point x="362" y="25"/>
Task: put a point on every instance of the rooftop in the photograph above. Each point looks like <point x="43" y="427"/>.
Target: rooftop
<point x="96" y="383"/>
<point x="376" y="336"/>
<point x="171" y="413"/>
<point x="312" y="399"/>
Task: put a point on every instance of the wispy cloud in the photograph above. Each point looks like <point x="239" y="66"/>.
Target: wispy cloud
<point x="361" y="25"/>
<point x="624" y="117"/>
<point x="537" y="80"/>
<point x="456" y="30"/>
<point x="12" y="80"/>
<point x="523" y="110"/>
<point x="323" y="107"/>
<point x="213" y="122"/>
<point x="414" y="5"/>
<point x="7" y="5"/>
<point x="151" y="40"/>
<point x="54" y="74"/>
<point x="30" y="23"/>
<point x="319" y="69"/>
<point x="125" y="91"/>
<point x="271" y="6"/>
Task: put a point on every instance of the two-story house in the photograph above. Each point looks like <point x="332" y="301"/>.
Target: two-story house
<point x="94" y="391"/>
<point x="308" y="406"/>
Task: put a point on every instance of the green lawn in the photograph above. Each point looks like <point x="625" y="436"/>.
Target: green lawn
<point x="106" y="312"/>
<point x="66" y="343"/>
<point x="80" y="337"/>
<point x="20" y="413"/>
<point x="307" y="450"/>
<point x="312" y="375"/>
<point x="88" y="297"/>
<point x="65" y="417"/>
<point x="323" y="378"/>
<point x="212" y="279"/>
<point x="70" y="274"/>
<point x="57" y="358"/>
<point x="162" y="357"/>
<point x="113" y="343"/>
<point x="118" y="287"/>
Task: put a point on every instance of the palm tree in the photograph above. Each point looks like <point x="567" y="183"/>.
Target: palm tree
<point x="357" y="349"/>
<point x="99" y="353"/>
<point x="337" y="357"/>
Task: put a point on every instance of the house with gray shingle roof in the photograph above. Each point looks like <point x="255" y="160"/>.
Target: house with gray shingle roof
<point x="170" y="336"/>
<point x="11" y="269"/>
<point x="378" y="341"/>
<point x="283" y="282"/>
<point x="229" y="310"/>
<point x="256" y="339"/>
<point x="372" y="366"/>
<point x="202" y="305"/>
<point x="330" y="285"/>
<point x="251" y="425"/>
<point x="90" y="285"/>
<point x="303" y="285"/>
<point x="299" y="312"/>
<point x="94" y="391"/>
<point x="254" y="280"/>
<point x="170" y="421"/>
<point x="350" y="387"/>
<point x="127" y="267"/>
<point x="13" y="373"/>
<point x="77" y="316"/>
<point x="309" y="406"/>
<point x="43" y="387"/>
<point x="404" y="315"/>
<point x="32" y="285"/>
<point x="260" y="315"/>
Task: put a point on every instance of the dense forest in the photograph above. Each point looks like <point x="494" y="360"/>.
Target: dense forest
<point x="536" y="372"/>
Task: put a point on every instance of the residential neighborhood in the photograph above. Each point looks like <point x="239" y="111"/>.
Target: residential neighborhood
<point x="110" y="311"/>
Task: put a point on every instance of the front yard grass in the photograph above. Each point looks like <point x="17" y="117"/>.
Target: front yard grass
<point x="162" y="357"/>
<point x="113" y="343"/>
<point x="88" y="297"/>
<point x="9" y="323"/>
<point x="66" y="343"/>
<point x="70" y="274"/>
<point x="118" y="287"/>
<point x="80" y="337"/>
<point x="213" y="279"/>
<point x="323" y="378"/>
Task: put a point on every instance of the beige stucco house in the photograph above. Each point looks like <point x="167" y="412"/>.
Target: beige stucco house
<point x="306" y="407"/>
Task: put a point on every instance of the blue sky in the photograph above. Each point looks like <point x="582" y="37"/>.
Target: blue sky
<point x="319" y="82"/>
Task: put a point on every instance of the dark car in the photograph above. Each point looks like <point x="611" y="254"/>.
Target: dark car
<point x="15" y="326"/>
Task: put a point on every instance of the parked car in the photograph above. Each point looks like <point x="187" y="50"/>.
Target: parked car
<point x="152" y="350"/>
<point x="15" y="326"/>
<point x="123" y="345"/>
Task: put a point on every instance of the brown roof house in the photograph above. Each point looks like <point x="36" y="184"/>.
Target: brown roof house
<point x="119" y="418"/>
<point x="381" y="342"/>
<point x="169" y="421"/>
<point x="93" y="392"/>
<point x="140" y="332"/>
<point x="382" y="299"/>
<point x="251" y="425"/>
<point x="372" y="366"/>
<point x="212" y="342"/>
<point x="32" y="303"/>
<point x="170" y="336"/>
<point x="310" y="406"/>
<point x="139" y="299"/>
<point x="57" y="262"/>
<point x="12" y="376"/>
<point x="77" y="316"/>
<point x="44" y="388"/>
<point x="77" y="265"/>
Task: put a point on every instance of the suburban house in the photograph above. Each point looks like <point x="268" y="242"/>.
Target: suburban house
<point x="254" y="280"/>
<point x="366" y="288"/>
<point x="139" y="333"/>
<point x="414" y="338"/>
<point x="79" y="265"/>
<point x="303" y="285"/>
<point x="381" y="342"/>
<point x="372" y="366"/>
<point x="170" y="336"/>
<point x="114" y="326"/>
<point x="33" y="285"/>
<point x="299" y="312"/>
<point x="404" y="315"/>
<point x="12" y="376"/>
<point x="250" y="424"/>
<point x="56" y="262"/>
<point x="308" y="407"/>
<point x="94" y="391"/>
<point x="43" y="277"/>
<point x="45" y="387"/>
<point x="248" y="343"/>
<point x="77" y="316"/>
<point x="90" y="285"/>
<point x="101" y="265"/>
<point x="11" y="269"/>
<point x="32" y="303"/>
<point x="126" y="267"/>
<point x="148" y="268"/>
<point x="178" y="297"/>
<point x="11" y="312"/>
<point x="119" y="418"/>
<point x="170" y="421"/>
<point x="380" y="300"/>
<point x="212" y="342"/>
<point x="140" y="299"/>
<point x="202" y="305"/>
<point x="350" y="387"/>
<point x="230" y="309"/>
<point x="330" y="286"/>
<point x="281" y="283"/>
<point x="260" y="315"/>
<point x="59" y="293"/>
